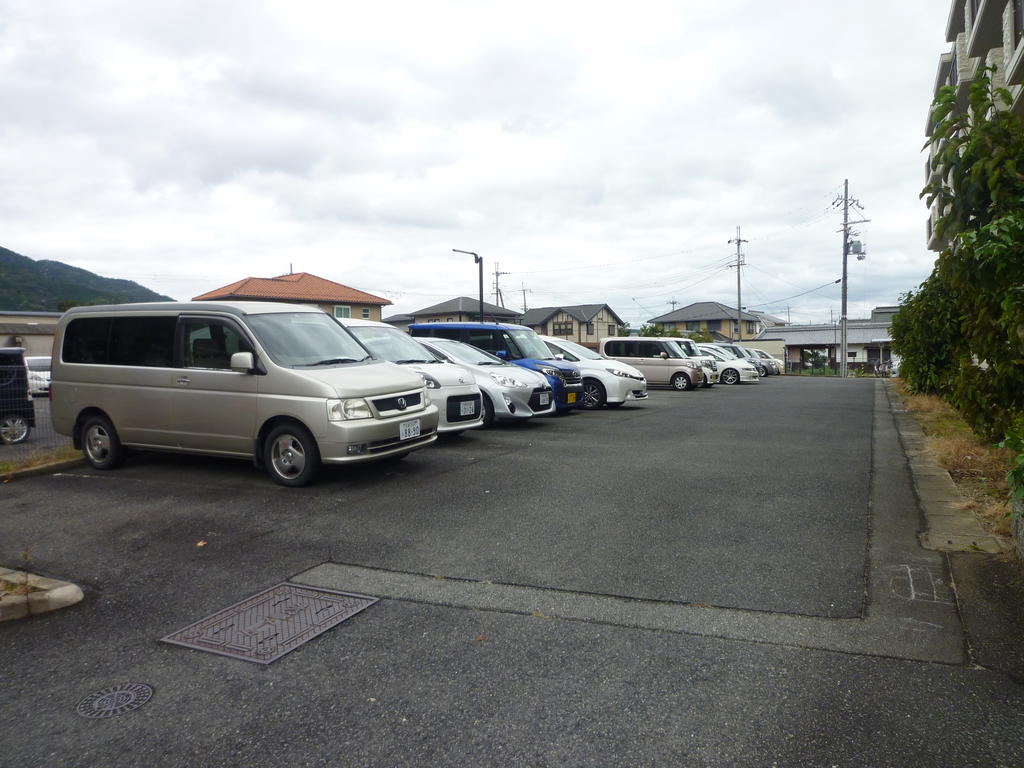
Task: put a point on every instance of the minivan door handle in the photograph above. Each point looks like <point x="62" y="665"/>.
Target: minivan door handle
<point x="184" y="380"/>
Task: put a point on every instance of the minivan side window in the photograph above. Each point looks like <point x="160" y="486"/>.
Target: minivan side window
<point x="144" y="341"/>
<point x="140" y="341"/>
<point x="210" y="343"/>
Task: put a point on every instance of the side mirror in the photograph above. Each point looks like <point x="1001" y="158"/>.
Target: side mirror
<point x="664" y="355"/>
<point x="559" y="356"/>
<point x="502" y="354"/>
<point x="243" y="362"/>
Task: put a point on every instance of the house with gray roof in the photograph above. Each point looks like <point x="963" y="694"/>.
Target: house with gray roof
<point x="585" y="324"/>
<point x="463" y="309"/>
<point x="717" y="319"/>
<point x="868" y="342"/>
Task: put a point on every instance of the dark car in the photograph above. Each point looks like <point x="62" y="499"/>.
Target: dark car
<point x="17" y="411"/>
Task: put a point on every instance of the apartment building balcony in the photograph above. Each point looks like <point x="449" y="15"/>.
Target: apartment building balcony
<point x="986" y="27"/>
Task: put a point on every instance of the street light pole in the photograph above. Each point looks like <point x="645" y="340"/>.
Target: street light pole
<point x="480" y="262"/>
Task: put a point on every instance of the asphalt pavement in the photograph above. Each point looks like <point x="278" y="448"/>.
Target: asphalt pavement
<point x="718" y="577"/>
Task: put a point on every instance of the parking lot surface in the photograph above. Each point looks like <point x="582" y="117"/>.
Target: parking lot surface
<point x="723" y="577"/>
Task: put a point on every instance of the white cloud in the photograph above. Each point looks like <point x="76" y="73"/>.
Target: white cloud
<point x="188" y="144"/>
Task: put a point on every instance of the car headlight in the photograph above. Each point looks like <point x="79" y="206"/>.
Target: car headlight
<point x="622" y="373"/>
<point x="430" y="381"/>
<point x="507" y="381"/>
<point x="348" y="409"/>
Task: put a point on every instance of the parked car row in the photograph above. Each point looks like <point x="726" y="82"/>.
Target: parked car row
<point x="291" y="388"/>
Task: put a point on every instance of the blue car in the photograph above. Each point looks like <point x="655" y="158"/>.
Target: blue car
<point x="517" y="344"/>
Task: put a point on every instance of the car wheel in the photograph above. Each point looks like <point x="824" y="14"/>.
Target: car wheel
<point x="729" y="376"/>
<point x="291" y="455"/>
<point x="594" y="395"/>
<point x="14" y="429"/>
<point x="681" y="382"/>
<point x="488" y="410"/>
<point x="100" y="443"/>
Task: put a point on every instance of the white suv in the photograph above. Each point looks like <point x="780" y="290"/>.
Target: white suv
<point x="605" y="382"/>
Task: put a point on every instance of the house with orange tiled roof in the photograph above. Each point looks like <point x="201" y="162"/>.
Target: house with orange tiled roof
<point x="333" y="298"/>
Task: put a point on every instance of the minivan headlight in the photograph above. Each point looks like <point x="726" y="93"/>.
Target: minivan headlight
<point x="549" y="371"/>
<point x="430" y="381"/>
<point x="507" y="381"/>
<point x="348" y="409"/>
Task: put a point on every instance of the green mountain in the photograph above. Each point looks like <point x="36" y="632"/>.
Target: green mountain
<point x="27" y="285"/>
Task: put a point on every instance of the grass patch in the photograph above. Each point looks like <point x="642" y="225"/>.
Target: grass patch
<point x="39" y="458"/>
<point x="978" y="468"/>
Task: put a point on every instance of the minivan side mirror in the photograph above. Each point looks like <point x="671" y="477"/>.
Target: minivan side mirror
<point x="664" y="355"/>
<point x="502" y="354"/>
<point x="243" y="362"/>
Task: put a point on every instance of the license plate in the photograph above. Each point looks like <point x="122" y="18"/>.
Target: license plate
<point x="545" y="398"/>
<point x="409" y="429"/>
<point x="467" y="408"/>
<point x="571" y="397"/>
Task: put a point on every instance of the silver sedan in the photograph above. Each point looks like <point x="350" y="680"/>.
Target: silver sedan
<point x="510" y="391"/>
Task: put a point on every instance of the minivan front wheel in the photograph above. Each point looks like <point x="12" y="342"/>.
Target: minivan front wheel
<point x="100" y="443"/>
<point x="14" y="429"/>
<point x="594" y="395"/>
<point x="681" y="382"/>
<point x="291" y="455"/>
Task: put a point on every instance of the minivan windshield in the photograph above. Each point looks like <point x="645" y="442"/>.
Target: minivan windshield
<point x="530" y="344"/>
<point x="296" y="339"/>
<point x="388" y="343"/>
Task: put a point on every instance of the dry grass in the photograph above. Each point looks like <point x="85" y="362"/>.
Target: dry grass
<point x="39" y="458"/>
<point x="978" y="468"/>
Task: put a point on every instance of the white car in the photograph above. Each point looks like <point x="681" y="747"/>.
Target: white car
<point x="605" y="382"/>
<point x="510" y="392"/>
<point x="38" y="375"/>
<point x="731" y="369"/>
<point x="458" y="399"/>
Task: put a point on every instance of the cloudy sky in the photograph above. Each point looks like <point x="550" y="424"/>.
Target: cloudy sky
<point x="595" y="152"/>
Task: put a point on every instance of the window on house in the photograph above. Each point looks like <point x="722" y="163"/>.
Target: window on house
<point x="693" y="325"/>
<point x="366" y="313"/>
<point x="612" y="330"/>
<point x="342" y="311"/>
<point x="561" y="328"/>
<point x="751" y="328"/>
<point x="714" y="325"/>
<point x="590" y="329"/>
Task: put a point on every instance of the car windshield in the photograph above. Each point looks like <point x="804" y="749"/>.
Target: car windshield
<point x="578" y="350"/>
<point x="466" y="353"/>
<point x="530" y="344"/>
<point x="295" y="339"/>
<point x="387" y="343"/>
<point x="714" y="353"/>
<point x="688" y="347"/>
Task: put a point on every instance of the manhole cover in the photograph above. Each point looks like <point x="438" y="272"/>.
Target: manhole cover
<point x="264" y="627"/>
<point x="114" y="701"/>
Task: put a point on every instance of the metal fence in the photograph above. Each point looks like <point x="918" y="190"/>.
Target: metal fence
<point x="42" y="444"/>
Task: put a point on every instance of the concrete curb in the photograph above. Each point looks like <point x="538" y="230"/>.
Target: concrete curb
<point x="52" y="594"/>
<point x="948" y="527"/>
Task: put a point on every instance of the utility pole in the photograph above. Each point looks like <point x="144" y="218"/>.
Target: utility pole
<point x="847" y="204"/>
<point x="498" y="298"/>
<point x="524" y="290"/>
<point x="673" y="302"/>
<point x="739" y="263"/>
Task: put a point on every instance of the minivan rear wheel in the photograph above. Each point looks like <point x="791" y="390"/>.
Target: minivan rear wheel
<point x="291" y="455"/>
<point x="100" y="443"/>
<point x="14" y="429"/>
<point x="681" y="382"/>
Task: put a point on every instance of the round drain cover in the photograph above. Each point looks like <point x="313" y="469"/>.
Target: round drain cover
<point x="115" y="700"/>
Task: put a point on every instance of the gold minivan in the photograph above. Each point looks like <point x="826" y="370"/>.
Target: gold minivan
<point x="659" y="359"/>
<point x="281" y="384"/>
